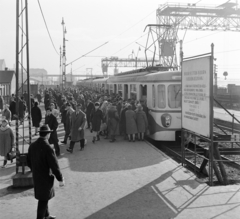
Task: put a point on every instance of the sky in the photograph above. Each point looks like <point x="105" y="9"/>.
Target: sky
<point x="118" y="23"/>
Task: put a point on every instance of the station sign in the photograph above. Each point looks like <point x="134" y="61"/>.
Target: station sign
<point x="196" y="105"/>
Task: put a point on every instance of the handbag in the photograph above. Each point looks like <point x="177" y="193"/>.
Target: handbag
<point x="12" y="154"/>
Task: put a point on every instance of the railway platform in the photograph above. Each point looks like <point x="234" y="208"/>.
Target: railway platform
<point x="121" y="180"/>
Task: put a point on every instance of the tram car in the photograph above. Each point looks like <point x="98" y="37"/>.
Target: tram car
<point x="161" y="90"/>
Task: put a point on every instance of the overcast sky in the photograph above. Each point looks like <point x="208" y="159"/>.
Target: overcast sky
<point x="90" y="23"/>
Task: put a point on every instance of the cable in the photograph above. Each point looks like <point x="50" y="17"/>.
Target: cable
<point x="111" y="40"/>
<point x="201" y="37"/>
<point x="47" y="27"/>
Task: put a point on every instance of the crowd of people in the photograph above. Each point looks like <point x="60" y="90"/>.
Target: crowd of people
<point x="106" y="116"/>
<point x="78" y="109"/>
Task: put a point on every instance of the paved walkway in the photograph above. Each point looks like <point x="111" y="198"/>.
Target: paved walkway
<point x="122" y="180"/>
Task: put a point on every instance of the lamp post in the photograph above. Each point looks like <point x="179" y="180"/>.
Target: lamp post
<point x="64" y="56"/>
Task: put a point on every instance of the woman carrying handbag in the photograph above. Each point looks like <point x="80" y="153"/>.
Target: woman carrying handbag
<point x="7" y="141"/>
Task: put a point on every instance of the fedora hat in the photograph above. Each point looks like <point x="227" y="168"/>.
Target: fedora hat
<point x="45" y="128"/>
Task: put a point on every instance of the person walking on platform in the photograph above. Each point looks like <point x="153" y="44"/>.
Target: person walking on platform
<point x="12" y="108"/>
<point x="122" y="124"/>
<point x="67" y="122"/>
<point x="113" y="119"/>
<point x="131" y="125"/>
<point x="52" y="122"/>
<point x="6" y="139"/>
<point x="55" y="112"/>
<point x="1" y="103"/>
<point x="142" y="122"/>
<point x="43" y="163"/>
<point x="36" y="117"/>
<point x="22" y="109"/>
<point x="96" y="120"/>
<point x="78" y="120"/>
<point x="6" y="114"/>
<point x="90" y="107"/>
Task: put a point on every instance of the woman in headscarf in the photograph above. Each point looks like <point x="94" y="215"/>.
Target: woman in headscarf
<point x="142" y="122"/>
<point x="131" y="125"/>
<point x="6" y="139"/>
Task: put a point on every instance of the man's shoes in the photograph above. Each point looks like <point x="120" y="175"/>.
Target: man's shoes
<point x="112" y="140"/>
<point x="69" y="150"/>
<point x="50" y="217"/>
<point x="63" y="142"/>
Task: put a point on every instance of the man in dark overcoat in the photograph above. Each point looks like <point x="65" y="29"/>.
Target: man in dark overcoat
<point x="67" y="122"/>
<point x="78" y="120"/>
<point x="52" y="122"/>
<point x="36" y="114"/>
<point x="90" y="107"/>
<point x="44" y="166"/>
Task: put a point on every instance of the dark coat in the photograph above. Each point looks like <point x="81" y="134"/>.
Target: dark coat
<point x="1" y="102"/>
<point x="43" y="163"/>
<point x="22" y="108"/>
<point x="89" y="109"/>
<point x="142" y="122"/>
<point x="68" y="120"/>
<point x="77" y="121"/>
<point x="12" y="108"/>
<point x="36" y="116"/>
<point x="52" y="122"/>
<point x="131" y="125"/>
<point x="96" y="119"/>
<point x="122" y="125"/>
<point x="63" y="112"/>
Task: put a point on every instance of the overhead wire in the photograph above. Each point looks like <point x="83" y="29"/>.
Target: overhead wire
<point x="112" y="39"/>
<point x="47" y="27"/>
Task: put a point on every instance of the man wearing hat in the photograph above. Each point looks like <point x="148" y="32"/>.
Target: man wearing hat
<point x="90" y="107"/>
<point x="78" y="120"/>
<point x="43" y="163"/>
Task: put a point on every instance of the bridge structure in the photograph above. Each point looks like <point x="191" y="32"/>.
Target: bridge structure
<point x="171" y="17"/>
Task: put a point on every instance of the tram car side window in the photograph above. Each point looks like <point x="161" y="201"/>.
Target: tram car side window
<point x="161" y="96"/>
<point x="174" y="96"/>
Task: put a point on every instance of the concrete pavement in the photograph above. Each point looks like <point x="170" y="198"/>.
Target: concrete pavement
<point x="122" y="180"/>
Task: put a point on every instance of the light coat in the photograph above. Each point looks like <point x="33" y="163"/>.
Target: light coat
<point x="6" y="140"/>
<point x="77" y="121"/>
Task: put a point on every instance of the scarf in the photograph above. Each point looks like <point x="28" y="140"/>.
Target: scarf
<point x="5" y="128"/>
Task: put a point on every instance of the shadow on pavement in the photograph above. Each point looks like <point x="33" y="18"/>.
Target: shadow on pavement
<point x="104" y="156"/>
<point x="11" y="192"/>
<point x="142" y="203"/>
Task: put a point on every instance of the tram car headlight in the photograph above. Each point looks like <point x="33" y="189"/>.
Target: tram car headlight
<point x="166" y="120"/>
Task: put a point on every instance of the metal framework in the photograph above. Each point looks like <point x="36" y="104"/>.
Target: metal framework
<point x="173" y="17"/>
<point x="124" y="62"/>
<point x="22" y="63"/>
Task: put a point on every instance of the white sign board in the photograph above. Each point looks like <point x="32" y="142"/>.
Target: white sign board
<point x="196" y="95"/>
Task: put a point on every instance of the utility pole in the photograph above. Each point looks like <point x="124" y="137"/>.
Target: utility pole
<point x="60" y="67"/>
<point x="64" y="56"/>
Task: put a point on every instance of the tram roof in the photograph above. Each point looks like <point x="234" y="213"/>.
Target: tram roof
<point x="148" y="77"/>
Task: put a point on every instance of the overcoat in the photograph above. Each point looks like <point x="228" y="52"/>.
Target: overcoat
<point x="122" y="124"/>
<point x="142" y="122"/>
<point x="6" y="139"/>
<point x="77" y="121"/>
<point x="113" y="119"/>
<point x="36" y="116"/>
<point x="52" y="122"/>
<point x="96" y="118"/>
<point x="1" y="102"/>
<point x="22" y="108"/>
<point x="12" y="108"/>
<point x="68" y="120"/>
<point x="43" y="163"/>
<point x="131" y="125"/>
